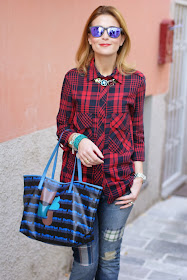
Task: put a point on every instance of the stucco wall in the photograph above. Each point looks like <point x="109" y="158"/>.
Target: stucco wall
<point x="22" y="258"/>
<point x="39" y="40"/>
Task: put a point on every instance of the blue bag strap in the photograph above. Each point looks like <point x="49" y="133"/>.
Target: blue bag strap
<point x="78" y="162"/>
<point x="54" y="164"/>
<point x="49" y="162"/>
<point x="55" y="153"/>
<point x="79" y="169"/>
<point x="72" y="178"/>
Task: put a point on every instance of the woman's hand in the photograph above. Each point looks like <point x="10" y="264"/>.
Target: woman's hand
<point x="88" y="151"/>
<point x="125" y="201"/>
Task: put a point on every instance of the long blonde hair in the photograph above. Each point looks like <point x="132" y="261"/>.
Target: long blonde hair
<point x="85" y="53"/>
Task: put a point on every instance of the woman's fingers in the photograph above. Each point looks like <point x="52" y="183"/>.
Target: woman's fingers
<point x="84" y="160"/>
<point x="126" y="197"/>
<point x="98" y="152"/>
<point x="90" y="158"/>
<point x="126" y="206"/>
<point x="87" y="154"/>
<point x="94" y="159"/>
<point x="125" y="201"/>
<point x="86" y="163"/>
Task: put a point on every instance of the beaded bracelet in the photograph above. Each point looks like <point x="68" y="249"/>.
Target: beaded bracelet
<point x="78" y="139"/>
<point x="72" y="142"/>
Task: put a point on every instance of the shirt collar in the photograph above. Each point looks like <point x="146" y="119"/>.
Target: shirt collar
<point x="93" y="73"/>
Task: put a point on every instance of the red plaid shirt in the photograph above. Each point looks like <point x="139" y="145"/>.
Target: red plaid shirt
<point x="111" y="117"/>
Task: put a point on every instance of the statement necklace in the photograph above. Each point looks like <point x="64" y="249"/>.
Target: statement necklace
<point x="104" y="82"/>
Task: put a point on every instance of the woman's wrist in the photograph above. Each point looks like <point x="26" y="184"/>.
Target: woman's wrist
<point x="138" y="180"/>
<point x="74" y="141"/>
<point x="140" y="175"/>
<point x="70" y="138"/>
<point x="78" y="140"/>
<point x="71" y="141"/>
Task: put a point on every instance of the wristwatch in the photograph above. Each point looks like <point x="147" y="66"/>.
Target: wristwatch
<point x="140" y="175"/>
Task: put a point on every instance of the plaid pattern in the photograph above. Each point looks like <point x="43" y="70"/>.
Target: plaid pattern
<point x="84" y="254"/>
<point x="113" y="235"/>
<point x="112" y="117"/>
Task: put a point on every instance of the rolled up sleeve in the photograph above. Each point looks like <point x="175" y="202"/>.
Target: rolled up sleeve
<point x="65" y="114"/>
<point x="138" y="125"/>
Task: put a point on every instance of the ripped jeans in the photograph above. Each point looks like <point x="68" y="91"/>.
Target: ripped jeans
<point x="101" y="257"/>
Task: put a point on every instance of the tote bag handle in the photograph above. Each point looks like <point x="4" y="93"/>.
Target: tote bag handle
<point x="55" y="154"/>
<point x="78" y="164"/>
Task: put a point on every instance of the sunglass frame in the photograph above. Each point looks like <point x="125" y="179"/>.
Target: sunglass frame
<point x="106" y="28"/>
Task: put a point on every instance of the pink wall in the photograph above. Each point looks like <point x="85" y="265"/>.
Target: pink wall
<point x="38" y="44"/>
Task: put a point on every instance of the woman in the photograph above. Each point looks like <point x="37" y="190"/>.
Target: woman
<point x="101" y="114"/>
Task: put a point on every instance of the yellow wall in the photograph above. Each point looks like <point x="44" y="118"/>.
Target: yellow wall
<point x="39" y="39"/>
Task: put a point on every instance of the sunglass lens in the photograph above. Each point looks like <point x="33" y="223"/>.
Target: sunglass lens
<point x="96" y="31"/>
<point x="114" y="32"/>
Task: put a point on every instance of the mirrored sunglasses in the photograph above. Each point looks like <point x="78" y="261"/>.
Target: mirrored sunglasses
<point x="113" y="32"/>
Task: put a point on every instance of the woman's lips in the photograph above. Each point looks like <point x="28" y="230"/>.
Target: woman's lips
<point x="104" y="45"/>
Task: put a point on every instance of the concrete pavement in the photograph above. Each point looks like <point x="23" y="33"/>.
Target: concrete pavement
<point x="154" y="245"/>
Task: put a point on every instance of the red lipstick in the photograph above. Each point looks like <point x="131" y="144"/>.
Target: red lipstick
<point x="104" y="45"/>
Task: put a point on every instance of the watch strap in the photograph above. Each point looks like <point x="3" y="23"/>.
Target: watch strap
<point x="140" y="175"/>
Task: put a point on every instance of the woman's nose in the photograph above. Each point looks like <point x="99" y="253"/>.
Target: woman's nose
<point x="105" y="35"/>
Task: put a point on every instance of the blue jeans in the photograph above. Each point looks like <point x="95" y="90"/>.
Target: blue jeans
<point x="101" y="257"/>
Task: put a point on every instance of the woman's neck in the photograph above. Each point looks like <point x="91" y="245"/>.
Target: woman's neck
<point x="105" y="64"/>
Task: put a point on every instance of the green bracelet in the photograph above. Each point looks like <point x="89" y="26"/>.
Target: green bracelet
<point x="78" y="139"/>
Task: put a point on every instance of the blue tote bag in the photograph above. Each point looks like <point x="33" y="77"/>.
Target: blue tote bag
<point x="59" y="213"/>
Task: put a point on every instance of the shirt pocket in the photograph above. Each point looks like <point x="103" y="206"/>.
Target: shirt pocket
<point x="83" y="123"/>
<point x="119" y="139"/>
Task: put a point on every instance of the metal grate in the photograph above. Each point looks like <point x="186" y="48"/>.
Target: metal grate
<point x="176" y="102"/>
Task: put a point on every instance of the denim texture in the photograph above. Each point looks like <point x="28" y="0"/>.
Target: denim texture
<point x="100" y="259"/>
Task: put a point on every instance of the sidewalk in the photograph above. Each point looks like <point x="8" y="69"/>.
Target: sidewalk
<point x="155" y="244"/>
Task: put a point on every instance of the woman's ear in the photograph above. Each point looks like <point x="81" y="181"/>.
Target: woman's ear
<point x="89" y="41"/>
<point x="122" y="40"/>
